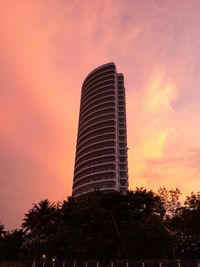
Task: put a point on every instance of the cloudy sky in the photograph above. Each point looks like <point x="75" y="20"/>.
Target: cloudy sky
<point x="46" y="50"/>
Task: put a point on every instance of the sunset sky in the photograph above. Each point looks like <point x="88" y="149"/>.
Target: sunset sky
<point x="46" y="50"/>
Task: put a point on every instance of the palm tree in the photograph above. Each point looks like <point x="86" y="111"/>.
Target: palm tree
<point x="40" y="225"/>
<point x="40" y="217"/>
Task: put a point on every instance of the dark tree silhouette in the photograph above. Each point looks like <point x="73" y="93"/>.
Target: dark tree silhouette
<point x="136" y="224"/>
<point x="40" y="224"/>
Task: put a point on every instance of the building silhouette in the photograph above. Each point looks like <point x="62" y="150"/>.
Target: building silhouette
<point x="101" y="150"/>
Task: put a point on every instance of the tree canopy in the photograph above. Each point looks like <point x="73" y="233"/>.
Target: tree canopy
<point x="136" y="225"/>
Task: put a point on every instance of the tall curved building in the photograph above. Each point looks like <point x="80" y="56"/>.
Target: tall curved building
<point x="101" y="150"/>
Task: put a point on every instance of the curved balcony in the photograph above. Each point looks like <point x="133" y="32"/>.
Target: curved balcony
<point x="102" y="188"/>
<point x="110" y="182"/>
<point x="83" y="191"/>
<point x="95" y="148"/>
<point x="99" y="107"/>
<point x="97" y="92"/>
<point x="110" y="80"/>
<point x="96" y="125"/>
<point x="97" y="162"/>
<point x="95" y="89"/>
<point x="96" y="144"/>
<point x="95" y="165"/>
<point x="94" y="75"/>
<point x="94" y="160"/>
<point x="89" y="180"/>
<point x="95" y="152"/>
<point x="102" y="79"/>
<point x="94" y="170"/>
<point x="93" y="179"/>
<point x="97" y="101"/>
<point x="105" y="129"/>
<point x="93" y="115"/>
<point x="96" y="79"/>
<point x="96" y="138"/>
<point x="99" y="118"/>
<point x="98" y="70"/>
<point x="98" y="176"/>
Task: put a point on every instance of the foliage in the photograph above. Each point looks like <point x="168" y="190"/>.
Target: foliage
<point x="104" y="226"/>
<point x="2" y="231"/>
<point x="10" y="248"/>
<point x="186" y="228"/>
<point x="40" y="226"/>
<point x="193" y="201"/>
<point x="170" y="200"/>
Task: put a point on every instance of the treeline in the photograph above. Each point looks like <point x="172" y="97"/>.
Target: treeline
<point x="139" y="224"/>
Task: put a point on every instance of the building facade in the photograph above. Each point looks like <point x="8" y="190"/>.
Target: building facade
<point x="101" y="151"/>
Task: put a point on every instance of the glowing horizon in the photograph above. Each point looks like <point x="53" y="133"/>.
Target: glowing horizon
<point x="48" y="48"/>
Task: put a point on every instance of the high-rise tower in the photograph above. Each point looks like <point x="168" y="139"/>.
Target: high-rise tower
<point x="101" y="150"/>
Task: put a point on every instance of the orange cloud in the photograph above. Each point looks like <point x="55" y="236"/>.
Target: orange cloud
<point x="155" y="127"/>
<point x="159" y="93"/>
